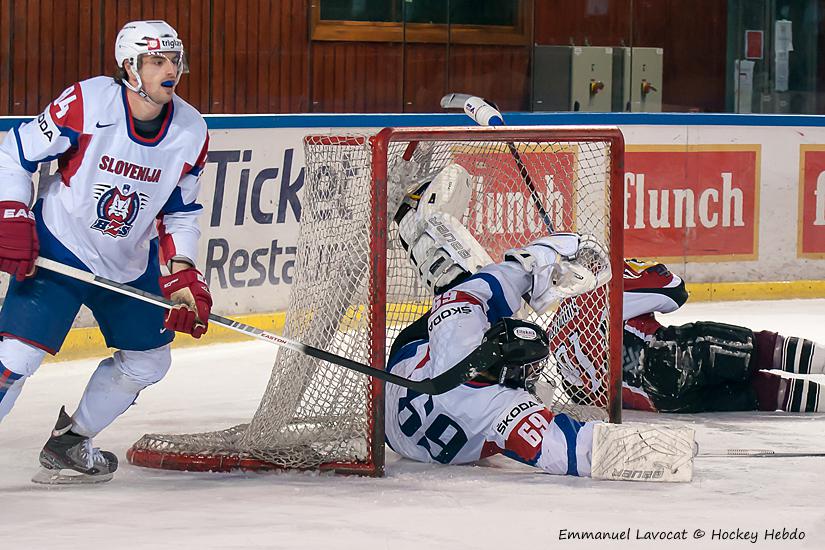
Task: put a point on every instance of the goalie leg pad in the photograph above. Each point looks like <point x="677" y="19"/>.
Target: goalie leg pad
<point x="441" y="249"/>
<point x="643" y="452"/>
<point x="448" y="192"/>
<point x="430" y="231"/>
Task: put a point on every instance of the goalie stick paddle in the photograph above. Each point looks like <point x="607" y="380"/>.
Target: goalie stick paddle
<point x="485" y="113"/>
<point x="442" y="383"/>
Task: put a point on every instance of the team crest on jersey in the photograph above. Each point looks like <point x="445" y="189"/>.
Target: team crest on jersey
<point x="117" y="209"/>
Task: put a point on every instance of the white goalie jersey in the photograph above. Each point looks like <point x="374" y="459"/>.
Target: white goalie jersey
<point x="477" y="419"/>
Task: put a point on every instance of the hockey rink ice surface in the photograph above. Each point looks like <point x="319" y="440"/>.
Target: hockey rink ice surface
<point x="498" y="504"/>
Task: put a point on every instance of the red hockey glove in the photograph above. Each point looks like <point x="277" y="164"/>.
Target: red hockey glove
<point x="187" y="288"/>
<point x="19" y="246"/>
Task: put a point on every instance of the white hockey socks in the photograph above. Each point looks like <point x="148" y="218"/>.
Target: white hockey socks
<point x="642" y="452"/>
<point x="803" y="395"/>
<point x="799" y="356"/>
<point x="114" y="386"/>
<point x="18" y="361"/>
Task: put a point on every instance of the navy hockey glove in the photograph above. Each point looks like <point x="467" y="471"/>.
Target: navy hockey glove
<point x="187" y="288"/>
<point x="19" y="246"/>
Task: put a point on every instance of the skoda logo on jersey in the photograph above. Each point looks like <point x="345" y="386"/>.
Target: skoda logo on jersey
<point x="117" y="209"/>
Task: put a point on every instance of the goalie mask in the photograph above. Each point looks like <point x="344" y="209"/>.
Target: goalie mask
<point x="141" y="38"/>
<point x="513" y="353"/>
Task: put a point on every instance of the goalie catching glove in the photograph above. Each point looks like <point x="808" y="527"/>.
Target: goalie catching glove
<point x="562" y="265"/>
<point x="188" y="289"/>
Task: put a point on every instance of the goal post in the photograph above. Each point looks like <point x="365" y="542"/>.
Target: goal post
<point x="354" y="290"/>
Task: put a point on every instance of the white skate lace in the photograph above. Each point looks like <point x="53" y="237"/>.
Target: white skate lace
<point x="91" y="455"/>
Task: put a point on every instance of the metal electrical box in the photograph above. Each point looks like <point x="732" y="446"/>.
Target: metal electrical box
<point x="639" y="78"/>
<point x="591" y="74"/>
<point x="572" y="78"/>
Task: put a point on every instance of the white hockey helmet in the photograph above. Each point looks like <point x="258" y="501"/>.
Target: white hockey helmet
<point x="138" y="38"/>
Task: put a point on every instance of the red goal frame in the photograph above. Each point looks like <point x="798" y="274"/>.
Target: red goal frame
<point x="380" y="143"/>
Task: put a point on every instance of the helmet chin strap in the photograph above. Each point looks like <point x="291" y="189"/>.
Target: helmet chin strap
<point x="139" y="88"/>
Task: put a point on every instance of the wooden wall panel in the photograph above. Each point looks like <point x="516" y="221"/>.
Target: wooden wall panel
<point x="580" y="22"/>
<point x="19" y="59"/>
<point x="694" y="46"/>
<point x="694" y="50"/>
<point x="254" y="56"/>
<point x="293" y="58"/>
<point x="498" y="73"/>
<point x="425" y="77"/>
<point x="259" y="56"/>
<point x="356" y="77"/>
<point x="5" y="57"/>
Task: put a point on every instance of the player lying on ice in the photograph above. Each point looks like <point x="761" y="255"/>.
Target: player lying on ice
<point x="707" y="366"/>
<point x="472" y="316"/>
<point x="129" y="153"/>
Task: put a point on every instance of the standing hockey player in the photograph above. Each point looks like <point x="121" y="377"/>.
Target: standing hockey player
<point x="129" y="154"/>
<point x="472" y="320"/>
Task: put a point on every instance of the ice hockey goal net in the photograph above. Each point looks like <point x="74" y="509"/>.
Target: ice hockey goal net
<point x="354" y="291"/>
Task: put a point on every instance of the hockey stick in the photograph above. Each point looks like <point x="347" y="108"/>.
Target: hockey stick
<point x="484" y="113"/>
<point x="762" y="453"/>
<point x="442" y="383"/>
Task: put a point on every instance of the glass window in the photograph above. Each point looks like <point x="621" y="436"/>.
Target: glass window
<point x="423" y="21"/>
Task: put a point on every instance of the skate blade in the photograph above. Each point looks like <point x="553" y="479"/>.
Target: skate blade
<point x="68" y="477"/>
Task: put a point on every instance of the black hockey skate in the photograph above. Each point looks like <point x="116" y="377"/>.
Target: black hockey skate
<point x="69" y="458"/>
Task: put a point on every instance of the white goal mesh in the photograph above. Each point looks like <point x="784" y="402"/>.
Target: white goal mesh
<point x="354" y="290"/>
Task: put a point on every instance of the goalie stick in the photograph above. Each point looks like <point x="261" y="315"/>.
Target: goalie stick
<point x="442" y="383"/>
<point x="761" y="453"/>
<point x="485" y="113"/>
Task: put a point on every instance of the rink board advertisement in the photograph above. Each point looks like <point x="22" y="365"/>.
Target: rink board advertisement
<point x="698" y="202"/>
<point x="717" y="202"/>
<point x="811" y="221"/>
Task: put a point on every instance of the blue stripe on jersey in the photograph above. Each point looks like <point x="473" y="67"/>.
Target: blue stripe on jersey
<point x="175" y="204"/>
<point x="407" y="351"/>
<point x="7" y="378"/>
<point x="70" y="134"/>
<point x="195" y="170"/>
<point x="570" y="428"/>
<point x="497" y="306"/>
<point x="515" y="456"/>
<point x="27" y="165"/>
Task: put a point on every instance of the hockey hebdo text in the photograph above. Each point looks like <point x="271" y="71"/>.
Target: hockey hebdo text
<point x="737" y="535"/>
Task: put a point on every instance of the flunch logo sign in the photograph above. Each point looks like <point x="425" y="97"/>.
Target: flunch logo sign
<point x="504" y="212"/>
<point x="811" y="220"/>
<point x="694" y="201"/>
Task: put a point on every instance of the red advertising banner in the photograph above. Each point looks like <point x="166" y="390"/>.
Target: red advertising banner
<point x="697" y="202"/>
<point x="504" y="215"/>
<point x="811" y="220"/>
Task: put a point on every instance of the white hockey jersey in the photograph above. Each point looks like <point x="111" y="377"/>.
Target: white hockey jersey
<point x="476" y="420"/>
<point x="116" y="190"/>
